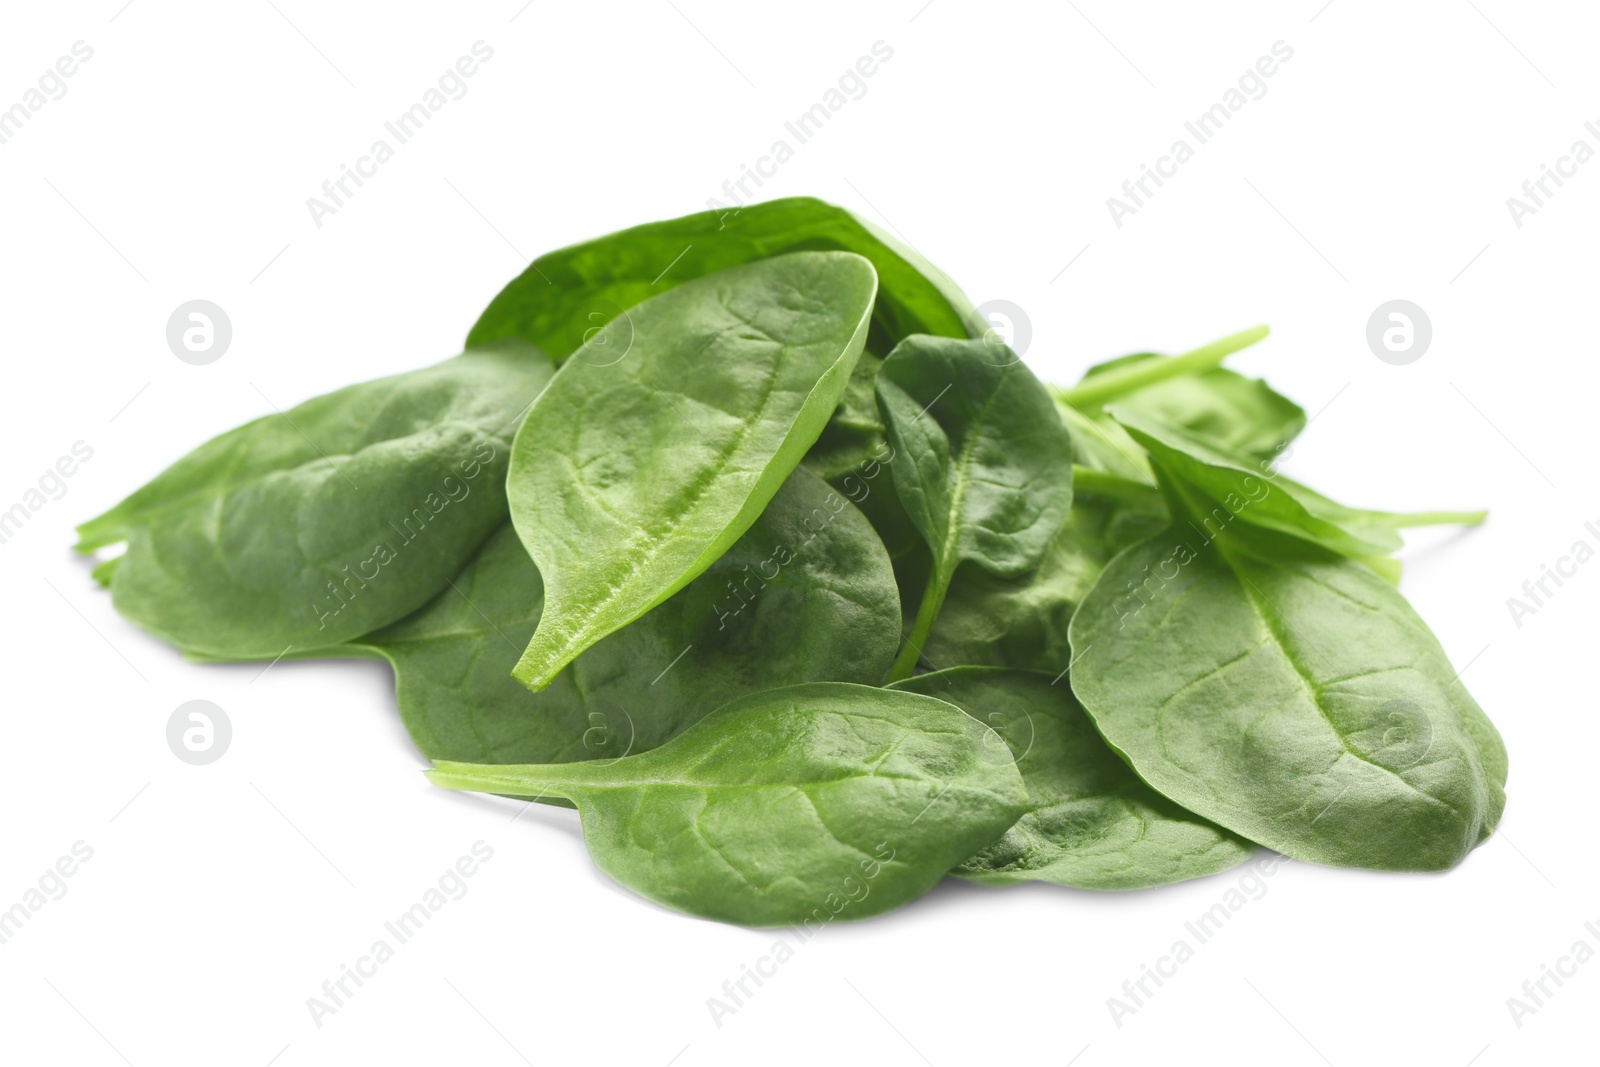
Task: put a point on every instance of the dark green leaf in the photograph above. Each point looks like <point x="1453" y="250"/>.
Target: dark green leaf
<point x="987" y="620"/>
<point x="805" y="804"/>
<point x="1091" y="823"/>
<point x="566" y="296"/>
<point x="321" y="523"/>
<point x="805" y="595"/>
<point x="983" y="465"/>
<point x="1219" y="487"/>
<point x="1290" y="695"/>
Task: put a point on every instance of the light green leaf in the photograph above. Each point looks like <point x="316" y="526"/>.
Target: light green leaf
<point x="1240" y="415"/>
<point x="640" y="465"/>
<point x="1191" y="391"/>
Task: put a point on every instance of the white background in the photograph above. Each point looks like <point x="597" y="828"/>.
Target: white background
<point x="177" y="166"/>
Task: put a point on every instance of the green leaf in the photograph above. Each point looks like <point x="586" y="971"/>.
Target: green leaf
<point x="805" y="804"/>
<point x="807" y="594"/>
<point x="568" y="296"/>
<point x="1240" y="415"/>
<point x="1191" y="391"/>
<point x="315" y="525"/>
<point x="1256" y="493"/>
<point x="1091" y="823"/>
<point x="1101" y="445"/>
<point x="565" y="297"/>
<point x="1290" y="695"/>
<point x="987" y="620"/>
<point x="983" y="465"/>
<point x="640" y="465"/>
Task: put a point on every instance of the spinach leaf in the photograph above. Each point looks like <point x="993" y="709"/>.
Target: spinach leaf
<point x="1261" y="497"/>
<point x="566" y="297"/>
<point x="983" y="466"/>
<point x="321" y="523"/>
<point x="1101" y="445"/>
<point x="1290" y="695"/>
<point x="808" y="803"/>
<point x="1091" y="823"/>
<point x="806" y="594"/>
<point x="634" y="472"/>
<point x="1022" y="621"/>
<point x="1191" y="391"/>
<point x="1240" y="415"/>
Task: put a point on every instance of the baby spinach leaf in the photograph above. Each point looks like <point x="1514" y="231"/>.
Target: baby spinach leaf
<point x="323" y="522"/>
<point x="569" y="296"/>
<point x="1290" y="695"/>
<point x="1101" y="445"/>
<point x="1191" y="391"/>
<point x="1262" y="497"/>
<point x="565" y="298"/>
<point x="808" y="803"/>
<point x="983" y="465"/>
<point x="634" y="472"/>
<point x="1022" y="621"/>
<point x="807" y="594"/>
<point x="1240" y="415"/>
<point x="1091" y="823"/>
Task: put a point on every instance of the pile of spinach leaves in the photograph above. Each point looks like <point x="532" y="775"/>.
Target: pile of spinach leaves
<point x="744" y="536"/>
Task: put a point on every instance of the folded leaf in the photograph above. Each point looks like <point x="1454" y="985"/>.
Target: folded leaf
<point x="638" y="467"/>
<point x="318" y="524"/>
<point x="811" y="803"/>
<point x="982" y="463"/>
<point x="1253" y="493"/>
<point x="1091" y="823"/>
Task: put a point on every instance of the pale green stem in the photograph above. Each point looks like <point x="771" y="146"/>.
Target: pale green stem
<point x="1435" y="518"/>
<point x="927" y="611"/>
<point x="1127" y="491"/>
<point x="1102" y="388"/>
